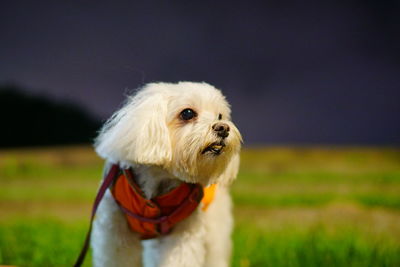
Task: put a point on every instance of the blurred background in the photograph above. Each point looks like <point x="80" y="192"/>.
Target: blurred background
<point x="314" y="88"/>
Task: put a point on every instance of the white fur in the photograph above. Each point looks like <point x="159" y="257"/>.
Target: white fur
<point x="148" y="135"/>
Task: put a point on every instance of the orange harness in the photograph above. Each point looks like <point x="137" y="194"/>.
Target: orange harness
<point x="150" y="218"/>
<point x="157" y="216"/>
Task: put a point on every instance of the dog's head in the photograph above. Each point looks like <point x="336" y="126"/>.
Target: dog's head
<point x="184" y="128"/>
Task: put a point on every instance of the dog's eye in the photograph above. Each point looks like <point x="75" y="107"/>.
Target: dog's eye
<point x="220" y="116"/>
<point x="188" y="114"/>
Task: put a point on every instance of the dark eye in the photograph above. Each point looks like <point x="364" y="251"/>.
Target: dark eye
<point x="220" y="116"/>
<point x="188" y="114"/>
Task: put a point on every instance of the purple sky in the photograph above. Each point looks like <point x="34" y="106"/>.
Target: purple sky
<point x="305" y="72"/>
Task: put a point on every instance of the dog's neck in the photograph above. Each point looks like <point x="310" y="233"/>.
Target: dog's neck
<point x="154" y="180"/>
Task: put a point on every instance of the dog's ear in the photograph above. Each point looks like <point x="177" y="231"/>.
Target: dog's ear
<point x="138" y="132"/>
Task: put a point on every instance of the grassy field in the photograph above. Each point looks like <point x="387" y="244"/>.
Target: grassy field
<point x="293" y="206"/>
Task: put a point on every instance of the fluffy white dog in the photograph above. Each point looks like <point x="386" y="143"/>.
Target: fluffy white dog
<point x="169" y="134"/>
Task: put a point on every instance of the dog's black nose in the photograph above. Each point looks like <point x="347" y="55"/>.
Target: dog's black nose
<point x="222" y="129"/>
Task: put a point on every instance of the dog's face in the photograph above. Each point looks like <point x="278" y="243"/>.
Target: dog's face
<point x="184" y="128"/>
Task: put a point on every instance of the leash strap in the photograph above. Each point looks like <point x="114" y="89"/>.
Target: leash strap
<point x="112" y="174"/>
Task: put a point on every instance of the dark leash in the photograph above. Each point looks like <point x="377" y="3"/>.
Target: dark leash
<point x="108" y="180"/>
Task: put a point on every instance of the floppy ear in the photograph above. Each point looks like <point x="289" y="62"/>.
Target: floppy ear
<point x="138" y="132"/>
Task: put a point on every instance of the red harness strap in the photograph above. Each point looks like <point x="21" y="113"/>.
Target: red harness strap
<point x="154" y="217"/>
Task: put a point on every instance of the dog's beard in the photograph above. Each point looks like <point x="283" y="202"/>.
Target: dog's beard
<point x="200" y="156"/>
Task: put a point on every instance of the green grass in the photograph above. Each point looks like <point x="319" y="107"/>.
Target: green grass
<point x="315" y="247"/>
<point x="293" y="206"/>
<point x="53" y="243"/>
<point x="40" y="243"/>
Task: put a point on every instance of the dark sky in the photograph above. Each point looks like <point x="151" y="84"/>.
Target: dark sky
<point x="323" y="72"/>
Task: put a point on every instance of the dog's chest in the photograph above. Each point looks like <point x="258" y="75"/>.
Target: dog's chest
<point x="154" y="182"/>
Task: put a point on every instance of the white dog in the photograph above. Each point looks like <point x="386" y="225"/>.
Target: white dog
<point x="169" y="135"/>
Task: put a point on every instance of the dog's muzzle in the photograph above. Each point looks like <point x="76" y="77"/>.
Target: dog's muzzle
<point x="215" y="148"/>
